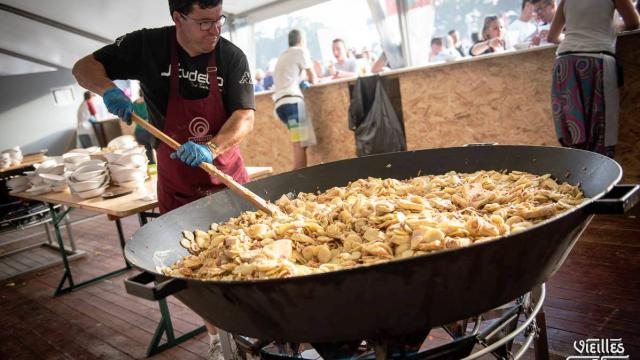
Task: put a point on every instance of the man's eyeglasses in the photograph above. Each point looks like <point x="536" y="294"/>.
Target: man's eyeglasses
<point x="207" y="24"/>
<point x="540" y="9"/>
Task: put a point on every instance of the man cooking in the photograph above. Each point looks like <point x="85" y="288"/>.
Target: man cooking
<point x="198" y="90"/>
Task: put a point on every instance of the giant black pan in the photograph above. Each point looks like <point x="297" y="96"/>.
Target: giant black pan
<point x="394" y="298"/>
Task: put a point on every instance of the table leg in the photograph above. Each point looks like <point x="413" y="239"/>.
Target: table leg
<point x="122" y="241"/>
<point x="67" y="276"/>
<point x="47" y="230"/>
<point x="165" y="326"/>
<point x="67" y="223"/>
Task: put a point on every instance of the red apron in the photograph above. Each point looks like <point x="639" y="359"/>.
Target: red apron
<point x="196" y="120"/>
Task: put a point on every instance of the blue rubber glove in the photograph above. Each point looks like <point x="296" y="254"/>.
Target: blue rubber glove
<point x="193" y="154"/>
<point x="92" y="119"/>
<point x="118" y="104"/>
<point x="304" y="84"/>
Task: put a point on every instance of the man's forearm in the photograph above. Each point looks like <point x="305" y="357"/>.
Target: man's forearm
<point x="234" y="130"/>
<point x="91" y="75"/>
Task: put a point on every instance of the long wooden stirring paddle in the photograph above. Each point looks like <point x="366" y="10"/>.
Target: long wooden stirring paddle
<point x="247" y="194"/>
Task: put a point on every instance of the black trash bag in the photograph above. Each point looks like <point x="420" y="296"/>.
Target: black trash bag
<point x="372" y="117"/>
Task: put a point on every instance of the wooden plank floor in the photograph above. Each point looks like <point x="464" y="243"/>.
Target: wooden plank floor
<point x="594" y="294"/>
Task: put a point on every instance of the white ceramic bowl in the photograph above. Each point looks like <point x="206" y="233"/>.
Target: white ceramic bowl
<point x="19" y="189"/>
<point x="75" y="158"/>
<point x="136" y="150"/>
<point x="92" y="162"/>
<point x="18" y="181"/>
<point x="39" y="189"/>
<point x="132" y="160"/>
<point x="36" y="180"/>
<point x="133" y="184"/>
<point x="77" y="187"/>
<point x="125" y="175"/>
<point x="50" y="162"/>
<point x="112" y="157"/>
<point x="92" y="193"/>
<point x="88" y="172"/>
<point x="53" y="180"/>
<point x="122" y="142"/>
<point x="56" y="170"/>
<point x="96" y="175"/>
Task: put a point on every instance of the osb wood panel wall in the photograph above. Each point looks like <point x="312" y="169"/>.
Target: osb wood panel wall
<point x="498" y="99"/>
<point x="504" y="99"/>
<point x="328" y="106"/>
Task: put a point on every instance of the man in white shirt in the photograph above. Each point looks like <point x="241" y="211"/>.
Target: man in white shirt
<point x="545" y="10"/>
<point x="523" y="28"/>
<point x="294" y="65"/>
<point x="344" y="67"/>
<point x="440" y="53"/>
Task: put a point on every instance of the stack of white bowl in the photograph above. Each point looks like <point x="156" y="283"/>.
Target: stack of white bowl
<point x="128" y="168"/>
<point x="18" y="184"/>
<point x="11" y="157"/>
<point x="47" y="177"/>
<point x="89" y="179"/>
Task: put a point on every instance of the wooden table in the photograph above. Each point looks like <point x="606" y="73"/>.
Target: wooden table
<point x="115" y="209"/>
<point x="122" y="206"/>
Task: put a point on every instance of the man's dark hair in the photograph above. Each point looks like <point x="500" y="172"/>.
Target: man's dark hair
<point x="295" y="37"/>
<point x="185" y="6"/>
<point x="524" y="3"/>
<point x="436" y="41"/>
<point x="451" y="32"/>
<point x="337" y="40"/>
<point x="546" y="2"/>
<point x="87" y="95"/>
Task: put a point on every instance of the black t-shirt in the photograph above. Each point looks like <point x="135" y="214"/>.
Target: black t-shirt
<point x="145" y="55"/>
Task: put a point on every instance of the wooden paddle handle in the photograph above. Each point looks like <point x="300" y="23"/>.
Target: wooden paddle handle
<point x="247" y="194"/>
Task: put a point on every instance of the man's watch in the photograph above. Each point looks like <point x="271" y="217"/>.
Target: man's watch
<point x="213" y="147"/>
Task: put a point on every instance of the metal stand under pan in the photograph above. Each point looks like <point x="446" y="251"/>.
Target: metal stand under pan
<point x="492" y="332"/>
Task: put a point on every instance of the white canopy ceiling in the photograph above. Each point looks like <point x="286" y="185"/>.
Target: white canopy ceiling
<point x="42" y="35"/>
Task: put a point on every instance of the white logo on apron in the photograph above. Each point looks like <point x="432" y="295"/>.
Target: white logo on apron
<point x="199" y="130"/>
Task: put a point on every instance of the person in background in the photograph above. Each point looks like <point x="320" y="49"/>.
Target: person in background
<point x="523" y="27"/>
<point x="439" y="53"/>
<point x="365" y="61"/>
<point x="259" y="83"/>
<point x="344" y="67"/>
<point x="492" y="37"/>
<point x="86" y="119"/>
<point x="293" y="65"/>
<point x="584" y="90"/>
<point x="198" y="90"/>
<point x="545" y="11"/>
<point x="142" y="136"/>
<point x="267" y="81"/>
<point x="454" y="43"/>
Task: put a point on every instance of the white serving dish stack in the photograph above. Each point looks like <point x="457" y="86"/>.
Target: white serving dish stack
<point x="11" y="157"/>
<point x="128" y="168"/>
<point x="18" y="184"/>
<point x="46" y="177"/>
<point x="90" y="179"/>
